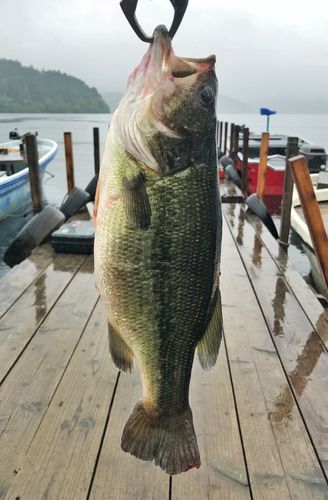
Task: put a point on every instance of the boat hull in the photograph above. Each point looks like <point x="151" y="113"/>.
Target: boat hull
<point x="300" y="227"/>
<point x="15" y="190"/>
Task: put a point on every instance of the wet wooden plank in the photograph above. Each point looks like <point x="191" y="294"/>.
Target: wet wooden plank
<point x="300" y="349"/>
<point x="29" y="388"/>
<point x="120" y="475"/>
<point x="20" y="322"/>
<point x="73" y="424"/>
<point x="304" y="295"/>
<point x="222" y="475"/>
<point x="15" y="282"/>
<point x="280" y="457"/>
<point x="230" y="193"/>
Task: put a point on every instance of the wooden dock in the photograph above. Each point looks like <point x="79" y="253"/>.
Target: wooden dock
<point x="261" y="414"/>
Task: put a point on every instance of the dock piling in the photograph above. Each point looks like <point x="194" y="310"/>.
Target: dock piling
<point x="96" y="149"/>
<point x="225" y="137"/>
<point x="232" y="133"/>
<point x="235" y="146"/>
<point x="34" y="171"/>
<point x="287" y="195"/>
<point x="69" y="161"/>
<point x="244" y="170"/>
<point x="263" y="165"/>
<point x="220" y="135"/>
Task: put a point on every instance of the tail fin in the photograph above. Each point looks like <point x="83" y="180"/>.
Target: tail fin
<point x="171" y="442"/>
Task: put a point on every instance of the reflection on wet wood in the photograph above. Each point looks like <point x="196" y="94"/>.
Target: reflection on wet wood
<point x="230" y="193"/>
<point x="20" y="322"/>
<point x="261" y="414"/>
<point x="73" y="423"/>
<point x="15" y="282"/>
<point x="276" y="444"/>
<point x="30" y="386"/>
<point x="300" y="349"/>
<point x="304" y="295"/>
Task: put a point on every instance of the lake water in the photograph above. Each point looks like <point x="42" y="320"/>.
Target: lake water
<point x="314" y="128"/>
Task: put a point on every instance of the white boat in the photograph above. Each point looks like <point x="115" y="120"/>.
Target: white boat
<point x="15" y="190"/>
<point x="300" y="227"/>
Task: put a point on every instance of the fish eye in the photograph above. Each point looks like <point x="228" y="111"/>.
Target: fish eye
<point x="206" y="95"/>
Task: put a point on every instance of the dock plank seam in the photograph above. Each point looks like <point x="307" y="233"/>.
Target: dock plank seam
<point x="102" y="438"/>
<point x="42" y="321"/>
<point x="296" y="400"/>
<point x="249" y="485"/>
<point x="63" y="373"/>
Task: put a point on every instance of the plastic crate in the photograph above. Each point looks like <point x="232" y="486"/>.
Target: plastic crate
<point x="75" y="237"/>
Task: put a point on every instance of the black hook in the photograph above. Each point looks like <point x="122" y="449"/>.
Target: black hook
<point x="129" y="9"/>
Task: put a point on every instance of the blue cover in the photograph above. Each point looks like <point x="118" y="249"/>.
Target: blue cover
<point x="267" y="112"/>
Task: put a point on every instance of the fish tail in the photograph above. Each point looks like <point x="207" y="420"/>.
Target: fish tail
<point x="171" y="442"/>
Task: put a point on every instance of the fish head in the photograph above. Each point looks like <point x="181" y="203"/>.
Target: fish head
<point x="167" y="117"/>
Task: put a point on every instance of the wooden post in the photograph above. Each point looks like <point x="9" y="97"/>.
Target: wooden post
<point x="220" y="135"/>
<point x="312" y="215"/>
<point x="96" y="149"/>
<point x="232" y="133"/>
<point x="244" y="171"/>
<point x="225" y="137"/>
<point x="34" y="171"/>
<point x="69" y="161"/>
<point x="235" y="146"/>
<point x="287" y="195"/>
<point x="261" y="177"/>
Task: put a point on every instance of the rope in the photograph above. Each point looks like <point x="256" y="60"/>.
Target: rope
<point x="49" y="173"/>
<point x="19" y="216"/>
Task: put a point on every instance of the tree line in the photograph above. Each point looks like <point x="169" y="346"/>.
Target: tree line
<point x="27" y="90"/>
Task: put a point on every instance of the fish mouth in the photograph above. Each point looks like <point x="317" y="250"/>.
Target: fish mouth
<point x="164" y="61"/>
<point x="145" y="110"/>
<point x="183" y="67"/>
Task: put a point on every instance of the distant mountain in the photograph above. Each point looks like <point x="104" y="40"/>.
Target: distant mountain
<point x="112" y="99"/>
<point x="301" y="106"/>
<point x="27" y="90"/>
<point x="227" y="105"/>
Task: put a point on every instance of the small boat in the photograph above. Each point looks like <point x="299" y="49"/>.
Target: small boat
<point x="315" y="156"/>
<point x="14" y="173"/>
<point x="300" y="227"/>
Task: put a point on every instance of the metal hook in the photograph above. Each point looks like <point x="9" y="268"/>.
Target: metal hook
<point x="129" y="9"/>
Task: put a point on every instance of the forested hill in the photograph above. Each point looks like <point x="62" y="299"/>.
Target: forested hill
<point x="27" y="90"/>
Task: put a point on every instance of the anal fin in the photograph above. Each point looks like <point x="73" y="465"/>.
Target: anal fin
<point x="209" y="345"/>
<point x="136" y="202"/>
<point x="121" y="354"/>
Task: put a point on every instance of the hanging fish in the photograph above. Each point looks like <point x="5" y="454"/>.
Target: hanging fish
<point x="157" y="245"/>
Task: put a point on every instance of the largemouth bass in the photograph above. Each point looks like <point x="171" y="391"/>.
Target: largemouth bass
<point x="157" y="245"/>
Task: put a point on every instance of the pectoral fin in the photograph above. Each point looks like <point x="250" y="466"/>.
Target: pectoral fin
<point x="136" y="202"/>
<point x="121" y="354"/>
<point x="209" y="344"/>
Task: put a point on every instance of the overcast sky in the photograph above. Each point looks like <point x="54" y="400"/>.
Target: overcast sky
<point x="267" y="50"/>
